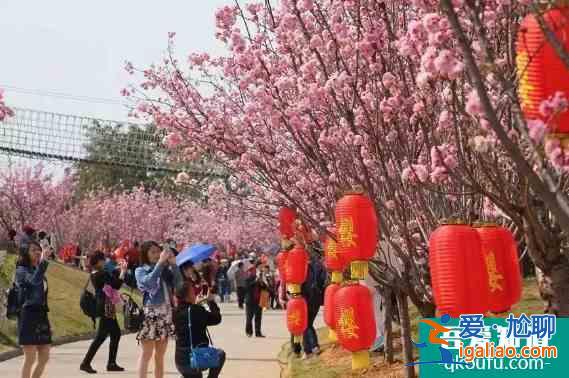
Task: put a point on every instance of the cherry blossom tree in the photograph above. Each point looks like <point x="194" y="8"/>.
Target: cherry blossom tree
<point x="152" y="215"/>
<point x="32" y="196"/>
<point x="319" y="96"/>
<point x="5" y="111"/>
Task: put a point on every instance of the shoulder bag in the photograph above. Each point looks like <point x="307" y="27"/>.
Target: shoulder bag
<point x="202" y="357"/>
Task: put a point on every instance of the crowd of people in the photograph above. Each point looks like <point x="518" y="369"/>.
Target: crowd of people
<point x="174" y="300"/>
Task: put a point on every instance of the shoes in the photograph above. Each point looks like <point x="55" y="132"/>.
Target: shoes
<point x="249" y="335"/>
<point x="114" y="367"/>
<point x="379" y="349"/>
<point x="307" y="356"/>
<point x="378" y="346"/>
<point x="316" y="350"/>
<point x="260" y="335"/>
<point x="88" y="369"/>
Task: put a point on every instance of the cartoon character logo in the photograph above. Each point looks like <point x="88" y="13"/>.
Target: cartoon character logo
<point x="434" y="339"/>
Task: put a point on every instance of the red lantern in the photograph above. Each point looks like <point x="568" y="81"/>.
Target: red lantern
<point x="355" y="322"/>
<point x="296" y="316"/>
<point x="458" y="271"/>
<point x="281" y="264"/>
<point x="541" y="71"/>
<point x="330" y="309"/>
<point x="286" y="222"/>
<point x="332" y="259"/>
<point x="296" y="268"/>
<point x="133" y="257"/>
<point x="356" y="224"/>
<point x="501" y="256"/>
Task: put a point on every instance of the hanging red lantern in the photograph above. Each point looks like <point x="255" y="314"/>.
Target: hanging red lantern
<point x="355" y="322"/>
<point x="297" y="316"/>
<point x="286" y="222"/>
<point x="541" y="72"/>
<point x="501" y="256"/>
<point x="332" y="259"/>
<point x="281" y="264"/>
<point x="458" y="271"/>
<point x="296" y="268"/>
<point x="357" y="230"/>
<point x="330" y="310"/>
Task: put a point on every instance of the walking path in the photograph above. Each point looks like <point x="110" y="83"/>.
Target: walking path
<point x="247" y="358"/>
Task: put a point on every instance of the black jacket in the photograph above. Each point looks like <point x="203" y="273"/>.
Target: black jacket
<point x="201" y="319"/>
<point x="253" y="287"/>
<point x="315" y="285"/>
<point x="99" y="280"/>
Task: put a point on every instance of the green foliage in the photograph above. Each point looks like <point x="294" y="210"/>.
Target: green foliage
<point x="121" y="158"/>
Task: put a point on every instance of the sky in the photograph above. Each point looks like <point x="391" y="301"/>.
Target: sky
<point x="78" y="48"/>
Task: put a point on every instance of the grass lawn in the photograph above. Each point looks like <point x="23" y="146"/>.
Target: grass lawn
<point x="65" y="288"/>
<point x="336" y="363"/>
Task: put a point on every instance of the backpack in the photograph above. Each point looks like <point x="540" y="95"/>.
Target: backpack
<point x="133" y="314"/>
<point x="88" y="303"/>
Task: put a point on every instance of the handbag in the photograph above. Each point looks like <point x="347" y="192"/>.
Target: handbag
<point x="202" y="357"/>
<point x="13" y="301"/>
<point x="133" y="314"/>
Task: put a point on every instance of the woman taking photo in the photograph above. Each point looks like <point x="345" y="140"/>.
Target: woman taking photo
<point x="34" y="330"/>
<point x="106" y="292"/>
<point x="194" y="332"/>
<point x="156" y="279"/>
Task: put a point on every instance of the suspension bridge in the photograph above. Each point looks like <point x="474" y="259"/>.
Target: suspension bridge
<point x="57" y="137"/>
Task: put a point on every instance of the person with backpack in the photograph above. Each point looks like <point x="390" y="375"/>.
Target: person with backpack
<point x="106" y="287"/>
<point x="313" y="291"/>
<point x="191" y="321"/>
<point x="34" y="329"/>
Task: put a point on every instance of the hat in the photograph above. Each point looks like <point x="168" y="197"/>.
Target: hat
<point x="28" y="229"/>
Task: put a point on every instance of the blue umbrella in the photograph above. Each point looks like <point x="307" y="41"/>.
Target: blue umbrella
<point x="195" y="253"/>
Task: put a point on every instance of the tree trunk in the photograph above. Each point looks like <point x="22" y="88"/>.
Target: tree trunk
<point x="406" y="342"/>
<point x="388" y="343"/>
<point x="546" y="245"/>
<point x="554" y="288"/>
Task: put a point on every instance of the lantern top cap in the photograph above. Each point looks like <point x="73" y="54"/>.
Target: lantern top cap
<point x="287" y="245"/>
<point x="485" y="224"/>
<point x="355" y="190"/>
<point x="350" y="282"/>
<point x="453" y="222"/>
<point x="545" y="4"/>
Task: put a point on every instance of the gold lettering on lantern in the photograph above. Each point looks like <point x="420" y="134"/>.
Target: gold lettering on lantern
<point x="294" y="318"/>
<point x="346" y="234"/>
<point x="525" y="88"/>
<point x="347" y="323"/>
<point x="332" y="250"/>
<point x="494" y="277"/>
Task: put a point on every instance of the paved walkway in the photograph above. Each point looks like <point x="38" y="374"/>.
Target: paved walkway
<point x="247" y="358"/>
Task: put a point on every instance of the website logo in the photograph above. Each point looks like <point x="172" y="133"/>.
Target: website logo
<point x="435" y="339"/>
<point x="473" y="345"/>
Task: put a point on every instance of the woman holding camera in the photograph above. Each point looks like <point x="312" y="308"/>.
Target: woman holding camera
<point x="156" y="279"/>
<point x="34" y="329"/>
<point x="191" y="321"/>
